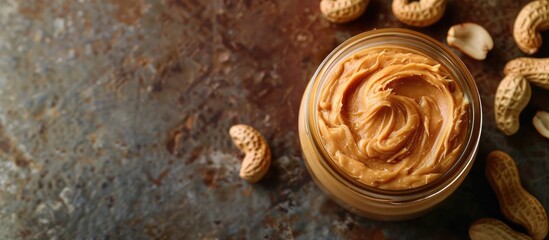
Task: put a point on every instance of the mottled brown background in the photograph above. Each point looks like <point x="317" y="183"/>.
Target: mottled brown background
<point x="114" y="118"/>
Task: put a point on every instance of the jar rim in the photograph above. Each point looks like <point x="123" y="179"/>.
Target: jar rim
<point x="465" y="79"/>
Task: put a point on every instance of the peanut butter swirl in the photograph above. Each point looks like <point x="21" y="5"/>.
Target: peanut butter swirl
<point x="392" y="118"/>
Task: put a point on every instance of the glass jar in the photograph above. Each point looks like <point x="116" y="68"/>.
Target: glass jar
<point x="369" y="201"/>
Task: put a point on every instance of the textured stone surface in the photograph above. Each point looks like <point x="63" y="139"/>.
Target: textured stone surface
<point x="115" y="115"/>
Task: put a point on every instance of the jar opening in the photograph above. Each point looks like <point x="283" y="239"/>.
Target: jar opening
<point x="428" y="47"/>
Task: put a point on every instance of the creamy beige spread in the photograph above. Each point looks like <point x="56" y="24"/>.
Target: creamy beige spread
<point x="392" y="118"/>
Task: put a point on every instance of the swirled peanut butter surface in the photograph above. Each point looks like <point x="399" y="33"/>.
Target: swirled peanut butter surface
<point x="392" y="118"/>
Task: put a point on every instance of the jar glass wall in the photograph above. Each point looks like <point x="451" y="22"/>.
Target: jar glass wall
<point x="372" y="202"/>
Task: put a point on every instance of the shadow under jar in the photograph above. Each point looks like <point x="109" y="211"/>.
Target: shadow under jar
<point x="390" y="123"/>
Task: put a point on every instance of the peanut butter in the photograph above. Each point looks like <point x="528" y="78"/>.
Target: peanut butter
<point x="392" y="118"/>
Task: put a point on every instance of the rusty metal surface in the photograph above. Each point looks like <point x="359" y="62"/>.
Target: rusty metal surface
<point x="114" y="118"/>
